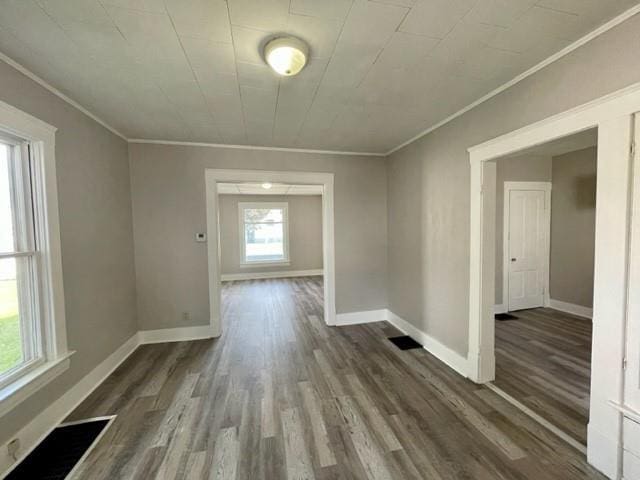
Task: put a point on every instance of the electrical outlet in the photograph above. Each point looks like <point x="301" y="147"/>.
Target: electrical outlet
<point x="13" y="447"/>
<point x="186" y="316"/>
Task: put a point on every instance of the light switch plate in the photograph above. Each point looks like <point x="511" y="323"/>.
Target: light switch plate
<point x="201" y="237"/>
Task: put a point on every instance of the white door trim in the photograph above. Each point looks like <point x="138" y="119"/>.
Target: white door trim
<point x="506" y="207"/>
<point x="215" y="176"/>
<point x="612" y="115"/>
<point x="632" y="348"/>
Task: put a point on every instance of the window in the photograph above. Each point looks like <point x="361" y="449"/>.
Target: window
<point x="33" y="343"/>
<point x="264" y="233"/>
<point x="20" y="345"/>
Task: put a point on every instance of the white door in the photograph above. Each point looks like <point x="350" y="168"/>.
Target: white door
<point x="527" y="252"/>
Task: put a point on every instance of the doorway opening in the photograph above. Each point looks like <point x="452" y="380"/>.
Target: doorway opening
<point x="612" y="397"/>
<point x="544" y="268"/>
<point x="253" y="219"/>
<point x="270" y="237"/>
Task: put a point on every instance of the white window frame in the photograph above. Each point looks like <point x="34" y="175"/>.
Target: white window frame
<point x="284" y="206"/>
<point x="53" y="358"/>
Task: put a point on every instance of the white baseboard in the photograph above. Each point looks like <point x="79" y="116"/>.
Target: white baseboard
<point x="571" y="308"/>
<point x="183" y="334"/>
<point x="355" y="318"/>
<point x="451" y="358"/>
<point x="500" y="308"/>
<point x="35" y="431"/>
<point x="228" y="277"/>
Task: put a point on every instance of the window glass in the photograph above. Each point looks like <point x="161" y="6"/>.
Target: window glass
<point x="20" y="335"/>
<point x="264" y="234"/>
<point x="7" y="243"/>
<point x="266" y="215"/>
<point x="11" y="351"/>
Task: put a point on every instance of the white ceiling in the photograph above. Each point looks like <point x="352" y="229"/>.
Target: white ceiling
<point x="380" y="72"/>
<point x="276" y="189"/>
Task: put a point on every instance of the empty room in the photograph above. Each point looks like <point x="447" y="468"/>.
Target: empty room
<point x="305" y="239"/>
<point x="545" y="231"/>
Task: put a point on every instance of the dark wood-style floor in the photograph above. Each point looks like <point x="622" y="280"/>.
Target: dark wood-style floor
<point x="282" y="396"/>
<point x="543" y="360"/>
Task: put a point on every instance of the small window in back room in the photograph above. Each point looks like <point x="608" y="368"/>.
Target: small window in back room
<point x="263" y="233"/>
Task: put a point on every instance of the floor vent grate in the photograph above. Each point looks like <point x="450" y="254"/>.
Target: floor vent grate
<point x="404" y="342"/>
<point x="61" y="451"/>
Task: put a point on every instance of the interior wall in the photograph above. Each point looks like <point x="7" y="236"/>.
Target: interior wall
<point x="573" y="226"/>
<point x="96" y="235"/>
<point x="168" y="193"/>
<point x="429" y="180"/>
<point x="305" y="233"/>
<point x="523" y="168"/>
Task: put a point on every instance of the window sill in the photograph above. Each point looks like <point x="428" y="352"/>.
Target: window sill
<point x="22" y="388"/>
<point x="270" y="263"/>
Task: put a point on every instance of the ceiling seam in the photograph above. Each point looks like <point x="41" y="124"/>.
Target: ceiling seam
<point x="155" y="83"/>
<point x="235" y="67"/>
<point x="275" y="112"/>
<point x="324" y="72"/>
<point x="193" y="74"/>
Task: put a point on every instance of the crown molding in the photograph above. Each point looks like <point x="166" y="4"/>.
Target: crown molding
<point x="556" y="56"/>
<point x="28" y="73"/>
<point x="255" y="147"/>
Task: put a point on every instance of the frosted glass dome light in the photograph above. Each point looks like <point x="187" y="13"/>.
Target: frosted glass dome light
<point x="286" y="55"/>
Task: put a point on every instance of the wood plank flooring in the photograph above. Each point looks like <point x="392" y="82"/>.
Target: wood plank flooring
<point x="543" y="360"/>
<point x="282" y="396"/>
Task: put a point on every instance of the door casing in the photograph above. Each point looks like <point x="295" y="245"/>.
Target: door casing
<point x="613" y="115"/>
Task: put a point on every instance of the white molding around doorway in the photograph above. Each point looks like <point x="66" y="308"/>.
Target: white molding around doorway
<point x="215" y="176"/>
<point x="506" y="209"/>
<point x="612" y="115"/>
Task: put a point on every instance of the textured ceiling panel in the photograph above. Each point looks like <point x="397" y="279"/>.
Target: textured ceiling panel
<point x="380" y="71"/>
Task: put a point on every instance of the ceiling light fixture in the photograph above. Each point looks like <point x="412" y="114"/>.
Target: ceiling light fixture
<point x="266" y="185"/>
<point x="286" y="55"/>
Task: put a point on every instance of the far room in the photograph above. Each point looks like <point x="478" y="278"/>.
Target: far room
<point x="545" y="236"/>
<point x="271" y="253"/>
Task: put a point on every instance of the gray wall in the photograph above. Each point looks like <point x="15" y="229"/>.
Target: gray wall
<point x="428" y="185"/>
<point x="96" y="232"/>
<point x="573" y="226"/>
<point x="168" y="193"/>
<point x="524" y="168"/>
<point x="305" y="232"/>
